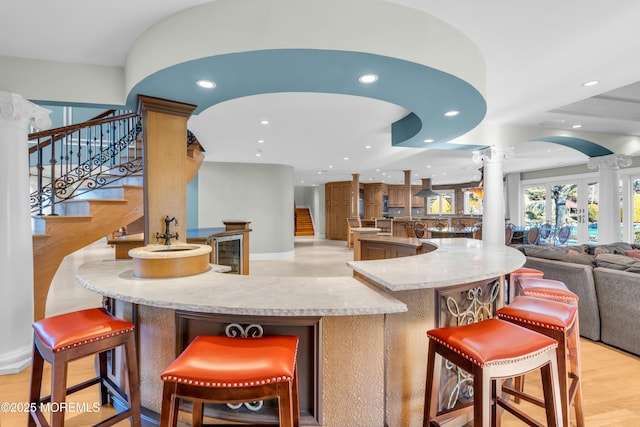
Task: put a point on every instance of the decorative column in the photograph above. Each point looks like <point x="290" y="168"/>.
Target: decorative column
<point x="355" y="195"/>
<point x="165" y="161"/>
<point x="407" y="194"/>
<point x="493" y="198"/>
<point x="609" y="195"/>
<point x="16" y="245"/>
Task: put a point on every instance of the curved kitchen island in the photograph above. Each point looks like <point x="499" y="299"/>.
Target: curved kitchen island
<point x="363" y="348"/>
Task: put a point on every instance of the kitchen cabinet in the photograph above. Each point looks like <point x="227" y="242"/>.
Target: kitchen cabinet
<point x="337" y="209"/>
<point x="396" y="196"/>
<point x="373" y="199"/>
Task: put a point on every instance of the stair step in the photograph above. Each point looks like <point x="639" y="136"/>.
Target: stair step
<point x="84" y="207"/>
<point x="40" y="222"/>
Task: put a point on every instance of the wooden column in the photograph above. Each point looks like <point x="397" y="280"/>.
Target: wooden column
<point x="407" y="193"/>
<point x="165" y="160"/>
<point x="355" y="195"/>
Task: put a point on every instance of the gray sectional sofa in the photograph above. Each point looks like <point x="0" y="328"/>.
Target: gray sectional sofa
<point x="606" y="279"/>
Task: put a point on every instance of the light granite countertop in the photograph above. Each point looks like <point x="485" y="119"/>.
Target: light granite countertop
<point x="455" y="261"/>
<point x="212" y="292"/>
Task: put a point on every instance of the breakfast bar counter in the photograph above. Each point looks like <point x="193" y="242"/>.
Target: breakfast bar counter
<point x="362" y="357"/>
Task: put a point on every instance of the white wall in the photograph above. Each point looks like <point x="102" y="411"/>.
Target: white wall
<point x="260" y="193"/>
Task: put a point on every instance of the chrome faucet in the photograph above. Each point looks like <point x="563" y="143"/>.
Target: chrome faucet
<point x="167" y="236"/>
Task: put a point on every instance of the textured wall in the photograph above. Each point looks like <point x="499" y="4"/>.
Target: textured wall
<point x="353" y="377"/>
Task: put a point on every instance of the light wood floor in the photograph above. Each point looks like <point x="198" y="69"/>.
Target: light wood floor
<point x="611" y="390"/>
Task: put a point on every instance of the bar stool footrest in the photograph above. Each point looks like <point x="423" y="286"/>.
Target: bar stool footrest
<point x="521" y="395"/>
<point x="504" y="404"/>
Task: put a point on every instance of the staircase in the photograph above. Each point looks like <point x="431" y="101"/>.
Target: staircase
<point x="304" y="224"/>
<point x="88" y="187"/>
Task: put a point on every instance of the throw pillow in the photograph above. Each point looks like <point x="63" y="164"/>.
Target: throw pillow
<point x="635" y="253"/>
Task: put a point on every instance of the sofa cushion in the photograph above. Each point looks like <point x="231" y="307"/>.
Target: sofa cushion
<point x="558" y="254"/>
<point x="618" y="262"/>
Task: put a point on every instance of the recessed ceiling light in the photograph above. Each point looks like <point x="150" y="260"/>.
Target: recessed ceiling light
<point x="207" y="84"/>
<point x="330" y="166"/>
<point x="367" y="146"/>
<point x="368" y="78"/>
<point x="264" y="122"/>
<point x="346" y="158"/>
<point x="428" y="140"/>
<point x="451" y="113"/>
<point x="261" y="141"/>
<point x="590" y="83"/>
<point x="576" y="126"/>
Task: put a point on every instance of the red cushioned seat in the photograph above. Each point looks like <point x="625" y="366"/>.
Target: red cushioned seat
<point x="490" y="351"/>
<point x="557" y="320"/>
<point x="80" y="327"/>
<point x="477" y="342"/>
<point x="547" y="288"/>
<point x="221" y="369"/>
<point x="540" y="312"/>
<point x="216" y="361"/>
<point x="515" y="276"/>
<point x="71" y="336"/>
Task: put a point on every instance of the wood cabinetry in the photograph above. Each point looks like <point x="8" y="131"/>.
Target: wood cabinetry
<point x="373" y="199"/>
<point x="337" y="209"/>
<point x="382" y="247"/>
<point x="396" y="196"/>
<point x="417" y="202"/>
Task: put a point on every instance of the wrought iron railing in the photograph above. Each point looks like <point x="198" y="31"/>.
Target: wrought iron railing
<point x="69" y="161"/>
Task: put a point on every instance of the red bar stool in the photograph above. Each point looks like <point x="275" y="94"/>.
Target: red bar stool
<point x="233" y="370"/>
<point x="560" y="322"/>
<point x="548" y="289"/>
<point x="490" y="351"/>
<point x="515" y="276"/>
<point x="67" y="337"/>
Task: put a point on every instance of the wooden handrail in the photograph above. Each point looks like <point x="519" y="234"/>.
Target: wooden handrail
<point x="58" y="133"/>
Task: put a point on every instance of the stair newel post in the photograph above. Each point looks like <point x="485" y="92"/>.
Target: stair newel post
<point x="52" y="165"/>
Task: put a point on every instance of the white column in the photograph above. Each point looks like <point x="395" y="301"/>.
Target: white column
<point x="16" y="248"/>
<point x="609" y="195"/>
<point x="493" y="198"/>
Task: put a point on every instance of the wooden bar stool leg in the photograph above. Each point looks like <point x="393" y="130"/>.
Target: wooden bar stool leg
<point x="58" y="390"/>
<point x="37" y="366"/>
<point x="133" y="380"/>
<point x="285" y="405"/>
<point x="432" y="387"/>
<point x="550" y="376"/>
<point x="102" y="370"/>
<point x="296" y="400"/>
<point x="576" y="370"/>
<point x="169" y="412"/>
<point x="197" y="413"/>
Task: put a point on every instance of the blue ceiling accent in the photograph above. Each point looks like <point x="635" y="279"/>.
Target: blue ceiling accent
<point x="426" y="92"/>
<point x="589" y="148"/>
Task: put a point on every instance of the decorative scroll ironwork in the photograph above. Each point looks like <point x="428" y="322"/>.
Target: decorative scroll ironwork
<point x="253" y="330"/>
<point x="84" y="157"/>
<point x="478" y="307"/>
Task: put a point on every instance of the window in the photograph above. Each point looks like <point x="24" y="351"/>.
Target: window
<point x="443" y="203"/>
<point x="472" y="204"/>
